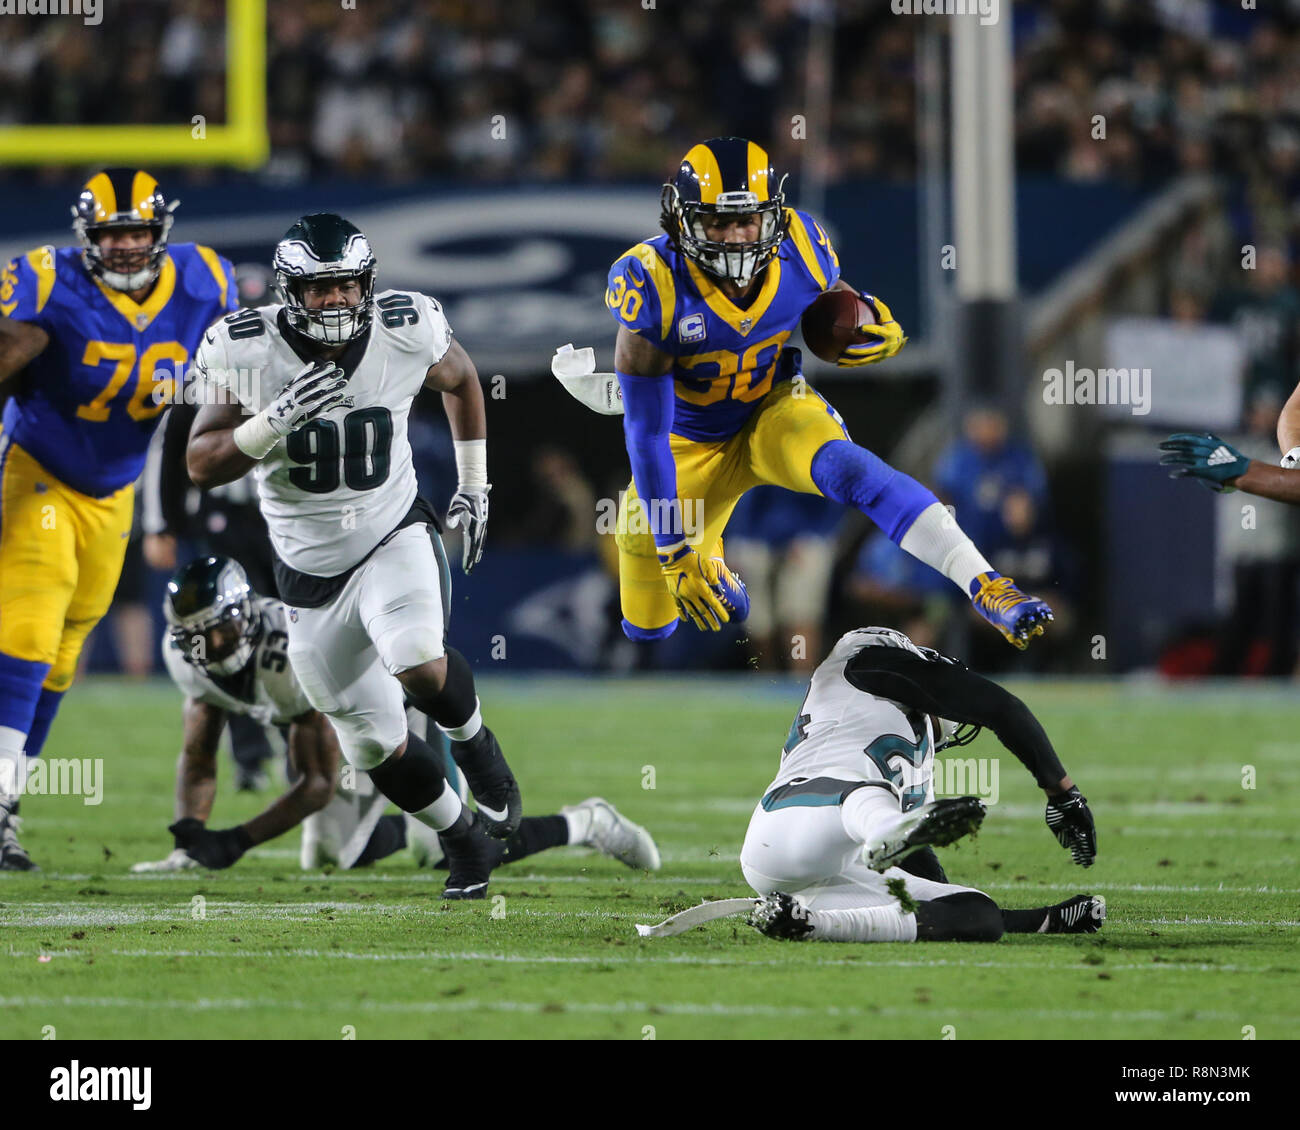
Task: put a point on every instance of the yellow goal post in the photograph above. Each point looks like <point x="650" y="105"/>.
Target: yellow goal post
<point x="242" y="141"/>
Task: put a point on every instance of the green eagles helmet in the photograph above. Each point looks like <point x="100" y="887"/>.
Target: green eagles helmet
<point x="210" y="615"/>
<point x="720" y="177"/>
<point x="320" y="247"/>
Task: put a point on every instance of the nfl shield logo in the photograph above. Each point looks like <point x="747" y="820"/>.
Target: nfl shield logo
<point x="745" y="323"/>
<point x="142" y="321"/>
<point x="293" y="615"/>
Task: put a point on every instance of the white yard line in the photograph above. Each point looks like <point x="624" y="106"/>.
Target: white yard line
<point x="617" y="959"/>
<point x="648" y="1009"/>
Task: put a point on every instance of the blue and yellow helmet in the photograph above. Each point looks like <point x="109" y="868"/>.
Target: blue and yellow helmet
<point x="726" y="176"/>
<point x="122" y="198"/>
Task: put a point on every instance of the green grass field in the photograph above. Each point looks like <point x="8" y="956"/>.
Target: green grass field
<point x="1200" y="875"/>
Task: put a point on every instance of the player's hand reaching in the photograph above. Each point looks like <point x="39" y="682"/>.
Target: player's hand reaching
<point x="314" y="390"/>
<point x="693" y="580"/>
<point x="888" y="338"/>
<point x="1070" y="820"/>
<point x="1204" y="457"/>
<point x="212" y="849"/>
<point x="469" y="509"/>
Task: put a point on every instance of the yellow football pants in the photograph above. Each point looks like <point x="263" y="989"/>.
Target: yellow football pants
<point x="61" y="555"/>
<point x="775" y="447"/>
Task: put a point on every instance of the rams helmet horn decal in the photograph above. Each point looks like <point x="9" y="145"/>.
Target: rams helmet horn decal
<point x="725" y="176"/>
<point x="115" y="199"/>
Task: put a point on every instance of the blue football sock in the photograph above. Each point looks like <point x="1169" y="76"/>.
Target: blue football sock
<point x="850" y="474"/>
<point x="47" y="706"/>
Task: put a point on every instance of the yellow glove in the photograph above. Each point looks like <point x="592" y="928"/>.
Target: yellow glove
<point x="693" y="581"/>
<point x="889" y="335"/>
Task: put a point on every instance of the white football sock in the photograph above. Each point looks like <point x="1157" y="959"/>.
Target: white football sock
<point x="936" y="539"/>
<point x="579" y="821"/>
<point x="13" y="764"/>
<point x="469" y="729"/>
<point x="863" y="924"/>
<point x="443" y="812"/>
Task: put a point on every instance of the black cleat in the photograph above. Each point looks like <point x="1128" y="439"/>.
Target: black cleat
<point x="13" y="856"/>
<point x="496" y="793"/>
<point x="938" y="823"/>
<point x="1083" y="914"/>
<point x="471" y="856"/>
<point x="778" y="915"/>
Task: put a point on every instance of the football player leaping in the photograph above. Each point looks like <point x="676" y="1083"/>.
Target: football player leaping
<point x="226" y="649"/>
<point x="95" y="334"/>
<point x="712" y="407"/>
<point x="317" y="393"/>
<point x="851" y="813"/>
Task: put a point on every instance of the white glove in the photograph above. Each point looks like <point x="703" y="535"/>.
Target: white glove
<point x="316" y="389"/>
<point x="469" y="508"/>
<point x="575" y="369"/>
<point x="177" y="861"/>
<point x="1291" y="459"/>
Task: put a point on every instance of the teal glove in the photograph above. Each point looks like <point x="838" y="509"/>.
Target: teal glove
<point x="1205" y="457"/>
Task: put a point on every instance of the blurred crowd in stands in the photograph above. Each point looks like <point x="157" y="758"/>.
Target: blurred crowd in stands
<point x="609" y="89"/>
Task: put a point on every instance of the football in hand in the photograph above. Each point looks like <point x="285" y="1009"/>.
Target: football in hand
<point x="830" y="324"/>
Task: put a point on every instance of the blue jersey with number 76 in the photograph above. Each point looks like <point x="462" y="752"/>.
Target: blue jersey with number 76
<point x="85" y="408"/>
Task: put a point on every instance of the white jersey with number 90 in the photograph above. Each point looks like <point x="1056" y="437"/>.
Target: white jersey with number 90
<point x="334" y="488"/>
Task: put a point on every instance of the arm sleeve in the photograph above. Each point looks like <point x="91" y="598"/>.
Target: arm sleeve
<point x="951" y="691"/>
<point x="174" y="479"/>
<point x="647" y="420"/>
<point x="150" y="491"/>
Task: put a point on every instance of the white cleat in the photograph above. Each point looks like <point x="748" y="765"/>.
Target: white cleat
<point x="938" y="823"/>
<point x="613" y="834"/>
<point x="177" y="861"/>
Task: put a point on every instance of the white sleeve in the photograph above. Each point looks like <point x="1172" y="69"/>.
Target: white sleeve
<point x="440" y="329"/>
<point x="151" y="511"/>
<point x="575" y="369"/>
<point x="217" y="381"/>
<point x="186" y="677"/>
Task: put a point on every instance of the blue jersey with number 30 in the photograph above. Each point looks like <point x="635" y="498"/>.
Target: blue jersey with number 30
<point x="726" y="358"/>
<point x="85" y="408"/>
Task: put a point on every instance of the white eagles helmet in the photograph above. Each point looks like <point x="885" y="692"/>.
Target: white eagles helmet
<point x="319" y="247"/>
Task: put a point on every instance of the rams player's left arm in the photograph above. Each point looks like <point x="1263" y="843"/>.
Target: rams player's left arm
<point x="887" y="335"/>
<point x="20" y="344"/>
<point x="455" y="376"/>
